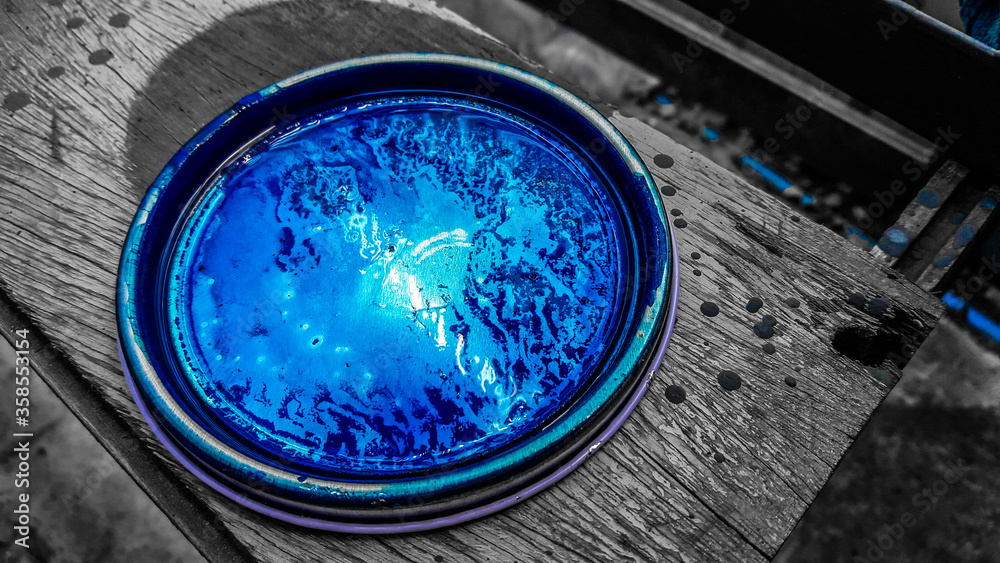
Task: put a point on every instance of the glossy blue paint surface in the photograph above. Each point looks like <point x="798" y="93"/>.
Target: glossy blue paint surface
<point x="258" y="445"/>
<point x="397" y="285"/>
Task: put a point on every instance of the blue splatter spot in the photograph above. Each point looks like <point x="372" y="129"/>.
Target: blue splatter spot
<point x="964" y="235"/>
<point x="958" y="218"/>
<point x="710" y="134"/>
<point x="664" y="99"/>
<point x="779" y="182"/>
<point x="989" y="203"/>
<point x="894" y="241"/>
<point x="929" y="198"/>
<point x="863" y="236"/>
<point x="944" y="261"/>
<point x="878" y="307"/>
<point x="953" y="301"/>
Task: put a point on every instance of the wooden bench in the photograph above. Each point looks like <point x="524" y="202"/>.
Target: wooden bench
<point x="97" y="99"/>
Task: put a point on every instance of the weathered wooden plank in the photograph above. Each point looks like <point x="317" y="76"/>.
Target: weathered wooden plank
<point x="953" y="248"/>
<point x="722" y="475"/>
<point x="736" y="75"/>
<point x="919" y="213"/>
<point x="187" y="510"/>
<point x="707" y="32"/>
<point x="893" y="52"/>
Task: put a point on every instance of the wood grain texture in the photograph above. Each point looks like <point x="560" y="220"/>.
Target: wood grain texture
<point x="954" y="246"/>
<point x="916" y="216"/>
<point x="710" y="33"/>
<point x="75" y="160"/>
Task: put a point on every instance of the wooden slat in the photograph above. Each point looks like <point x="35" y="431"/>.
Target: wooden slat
<point x="75" y="161"/>
<point x="709" y="33"/>
<point x="919" y="213"/>
<point x="953" y="249"/>
<point x="753" y="86"/>
<point x="889" y="56"/>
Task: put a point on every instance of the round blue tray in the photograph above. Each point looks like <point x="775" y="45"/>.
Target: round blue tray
<point x="395" y="293"/>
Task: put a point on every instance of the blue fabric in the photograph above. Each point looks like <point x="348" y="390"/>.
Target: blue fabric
<point x="982" y="20"/>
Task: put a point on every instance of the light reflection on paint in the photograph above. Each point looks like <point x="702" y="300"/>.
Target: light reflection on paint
<point x="446" y="281"/>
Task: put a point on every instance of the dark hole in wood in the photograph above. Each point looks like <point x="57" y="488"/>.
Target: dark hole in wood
<point x="867" y="346"/>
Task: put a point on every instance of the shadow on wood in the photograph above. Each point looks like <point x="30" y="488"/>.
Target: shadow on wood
<point x="252" y="49"/>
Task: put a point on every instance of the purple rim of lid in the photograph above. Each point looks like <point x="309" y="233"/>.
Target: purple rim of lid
<point x="441" y="521"/>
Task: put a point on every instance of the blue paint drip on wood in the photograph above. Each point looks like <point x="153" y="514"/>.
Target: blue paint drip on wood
<point x="929" y="198"/>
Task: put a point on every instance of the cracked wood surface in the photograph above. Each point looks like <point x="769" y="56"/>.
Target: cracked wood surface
<point x="723" y="475"/>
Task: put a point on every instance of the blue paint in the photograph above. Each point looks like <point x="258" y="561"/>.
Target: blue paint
<point x="894" y="241"/>
<point x="929" y="198"/>
<point x="953" y="301"/>
<point x="983" y="324"/>
<point x="364" y="289"/>
<point x="958" y="218"/>
<point x="853" y="230"/>
<point x="897" y="235"/>
<point x="772" y="177"/>
<point x="779" y="182"/>
<point x="975" y="318"/>
<point x="964" y="235"/>
<point x="710" y="134"/>
<point x="989" y="203"/>
<point x="663" y="99"/>
<point x="269" y="470"/>
<point x="945" y="261"/>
